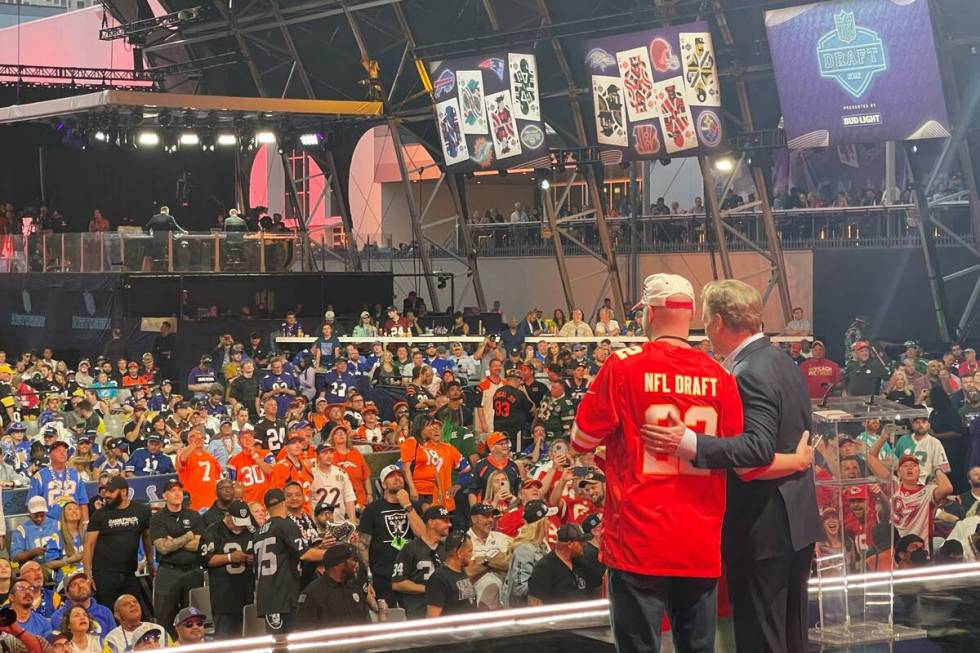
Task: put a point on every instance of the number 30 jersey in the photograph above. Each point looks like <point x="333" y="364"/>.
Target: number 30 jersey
<point x="277" y="546"/>
<point x="666" y="514"/>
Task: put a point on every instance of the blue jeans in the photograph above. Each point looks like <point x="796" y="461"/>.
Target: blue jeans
<point x="637" y="604"/>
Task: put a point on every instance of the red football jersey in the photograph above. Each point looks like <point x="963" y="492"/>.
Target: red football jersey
<point x="665" y="513"/>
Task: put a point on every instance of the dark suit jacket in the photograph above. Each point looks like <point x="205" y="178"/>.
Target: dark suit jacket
<point x="765" y="518"/>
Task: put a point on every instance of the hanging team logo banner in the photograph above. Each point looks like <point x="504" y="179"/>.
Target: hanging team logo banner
<point x="488" y="110"/>
<point x="847" y="69"/>
<point x="655" y="93"/>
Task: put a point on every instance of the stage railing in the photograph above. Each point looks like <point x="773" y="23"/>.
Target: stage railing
<point x="136" y="251"/>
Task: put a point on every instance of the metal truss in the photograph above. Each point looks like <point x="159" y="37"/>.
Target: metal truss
<point x="171" y="21"/>
<point x="73" y="74"/>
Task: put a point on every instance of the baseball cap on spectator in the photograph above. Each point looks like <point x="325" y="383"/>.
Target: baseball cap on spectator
<point x="188" y="613"/>
<point x="496" y="438"/>
<point x="206" y="358"/>
<point x="51" y="431"/>
<point x="581" y="364"/>
<point x="512" y="373"/>
<point x="369" y="407"/>
<point x="388" y="471"/>
<point x="859" y="345"/>
<point x="225" y="420"/>
<point x="273" y="497"/>
<point x="578" y="346"/>
<point x="325" y="446"/>
<point x="856" y="493"/>
<point x="117" y="483"/>
<point x="515" y="351"/>
<point x="365" y="314"/>
<point x="591" y="522"/>
<point x="531" y="482"/>
<point x="818" y="342"/>
<point x="75" y="576"/>
<point x="59" y="443"/>
<point x="171" y="484"/>
<point x="592" y="477"/>
<point x="166" y="382"/>
<point x="484" y="509"/>
<point x="87" y="436"/>
<point x="571" y="533"/>
<point x="240" y="516"/>
<point x="321" y="508"/>
<point x="154" y="436"/>
<point x="907" y="458"/>
<point x="329" y="316"/>
<point x="19" y="426"/>
<point x="6" y="369"/>
<point x="537" y="510"/>
<point x="399" y="405"/>
<point x="659" y="288"/>
<point x="321" y="400"/>
<point x="183" y="403"/>
<point x="246" y="428"/>
<point x="338" y="554"/>
<point x="435" y="512"/>
<point x="36" y="505"/>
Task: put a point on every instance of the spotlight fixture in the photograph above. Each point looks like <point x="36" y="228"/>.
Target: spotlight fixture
<point x="265" y="137"/>
<point x="724" y="164"/>
<point x="311" y="139"/>
<point x="148" y="139"/>
<point x="545" y="184"/>
<point x="100" y="136"/>
<point x="189" y="138"/>
<point x="227" y="139"/>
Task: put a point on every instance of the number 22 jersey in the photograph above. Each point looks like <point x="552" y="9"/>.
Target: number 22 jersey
<point x="666" y="514"/>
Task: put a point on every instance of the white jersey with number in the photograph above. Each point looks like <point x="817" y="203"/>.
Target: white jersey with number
<point x="912" y="510"/>
<point x="333" y="487"/>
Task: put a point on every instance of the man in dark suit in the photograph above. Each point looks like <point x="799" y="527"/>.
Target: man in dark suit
<point x="770" y="525"/>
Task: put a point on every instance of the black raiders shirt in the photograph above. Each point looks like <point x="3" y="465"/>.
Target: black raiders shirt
<point x="119" y="532"/>
<point x="416" y="562"/>
<point x="278" y="545"/>
<point x="387" y="524"/>
<point x="450" y="590"/>
<point x="234" y="583"/>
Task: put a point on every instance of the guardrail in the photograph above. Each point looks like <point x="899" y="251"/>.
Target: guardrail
<point x="308" y="251"/>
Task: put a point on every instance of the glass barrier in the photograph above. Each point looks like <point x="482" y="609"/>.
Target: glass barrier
<point x="162" y="252"/>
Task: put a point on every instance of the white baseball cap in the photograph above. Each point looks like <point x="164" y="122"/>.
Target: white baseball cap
<point x="388" y="471"/>
<point x="328" y="316"/>
<point x="36" y="505"/>
<point x="658" y="288"/>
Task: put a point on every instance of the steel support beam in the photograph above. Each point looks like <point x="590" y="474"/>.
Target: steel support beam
<point x="353" y="256"/>
<point x="595" y="193"/>
<point x="466" y="239"/>
<point x="714" y="213"/>
<point x="551" y="217"/>
<point x="937" y="289"/>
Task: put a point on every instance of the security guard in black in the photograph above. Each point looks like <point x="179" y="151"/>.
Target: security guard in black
<point x="334" y="599"/>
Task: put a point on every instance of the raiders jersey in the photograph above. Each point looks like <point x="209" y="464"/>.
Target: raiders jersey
<point x="234" y="583"/>
<point x="278" y="545"/>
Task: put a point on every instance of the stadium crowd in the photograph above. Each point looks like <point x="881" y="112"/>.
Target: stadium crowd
<point x="340" y="484"/>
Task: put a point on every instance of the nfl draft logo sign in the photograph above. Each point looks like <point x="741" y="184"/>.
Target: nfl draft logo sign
<point x="851" y="55"/>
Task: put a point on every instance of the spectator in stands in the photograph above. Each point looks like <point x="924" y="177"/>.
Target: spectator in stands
<point x="606" y="325"/>
<point x="57" y="481"/>
<point x="732" y="200"/>
<point x="558" y="576"/>
<point x="418" y="560"/>
<point x="913" y="501"/>
<point x="21" y="601"/>
<point x="511" y="337"/>
<point x="279" y="385"/>
<point x="46" y="600"/>
<point x="576" y="327"/>
<point x="926" y="448"/>
<point x="245" y="392"/>
<point x="78" y="593"/>
<point x="900" y="390"/>
<point x="798" y="326"/>
<point x="490" y="560"/>
<point x="499" y="459"/>
<point x="132" y="628"/>
<point x="864" y="374"/>
<point x="365" y="328"/>
<point x="79" y="630"/>
<point x="198" y="470"/>
<point x="414" y="304"/>
<point x="33" y="538"/>
<point x="513" y="409"/>
<point x="529" y="546"/>
<point x="819" y="372"/>
<point x="224" y="497"/>
<point x="448" y="590"/>
<point x="151" y="460"/>
<point x="224" y="445"/>
<point x="189" y="624"/>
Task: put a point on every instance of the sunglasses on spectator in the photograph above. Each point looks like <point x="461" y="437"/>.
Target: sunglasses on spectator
<point x="193" y="623"/>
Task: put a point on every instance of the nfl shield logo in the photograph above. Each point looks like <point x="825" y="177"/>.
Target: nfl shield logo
<point x="851" y="55"/>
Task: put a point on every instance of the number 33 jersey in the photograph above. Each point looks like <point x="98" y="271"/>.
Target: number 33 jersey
<point x="666" y="513"/>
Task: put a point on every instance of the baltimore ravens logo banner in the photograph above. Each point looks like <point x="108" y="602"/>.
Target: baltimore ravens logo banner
<point x="655" y="93"/>
<point x="857" y="71"/>
<point x="488" y="112"/>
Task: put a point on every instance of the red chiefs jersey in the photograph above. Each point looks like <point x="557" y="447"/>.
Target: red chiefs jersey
<point x="654" y="502"/>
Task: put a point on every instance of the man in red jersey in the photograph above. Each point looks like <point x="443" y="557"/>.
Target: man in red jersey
<point x="820" y="372"/>
<point x="653" y="501"/>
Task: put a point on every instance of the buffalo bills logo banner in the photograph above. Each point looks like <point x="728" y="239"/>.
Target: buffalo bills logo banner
<point x="655" y="93"/>
<point x="488" y="111"/>
<point x="857" y="71"/>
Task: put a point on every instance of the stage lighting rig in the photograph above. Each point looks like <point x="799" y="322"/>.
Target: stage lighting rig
<point x="226" y="140"/>
<point x="172" y="21"/>
<point x="147" y="138"/>
<point x="311" y="139"/>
